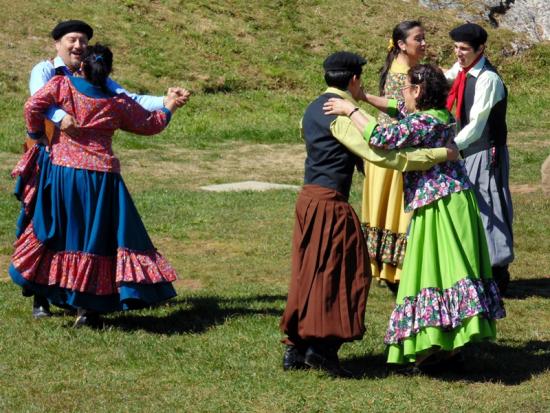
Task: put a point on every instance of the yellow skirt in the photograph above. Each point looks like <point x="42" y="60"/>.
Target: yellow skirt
<point x="385" y="221"/>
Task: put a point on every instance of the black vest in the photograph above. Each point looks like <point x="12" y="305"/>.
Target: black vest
<point x="496" y="131"/>
<point x="328" y="163"/>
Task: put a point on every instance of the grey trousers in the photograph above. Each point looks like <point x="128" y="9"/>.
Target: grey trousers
<point x="490" y="183"/>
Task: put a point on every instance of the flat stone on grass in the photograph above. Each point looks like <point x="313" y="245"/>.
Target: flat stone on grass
<point x="248" y="186"/>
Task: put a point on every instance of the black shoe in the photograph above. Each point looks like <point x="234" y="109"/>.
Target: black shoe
<point x="327" y="363"/>
<point x="293" y="359"/>
<point x="86" y="318"/>
<point x="393" y="287"/>
<point x="501" y="275"/>
<point x="406" y="370"/>
<point x="40" y="307"/>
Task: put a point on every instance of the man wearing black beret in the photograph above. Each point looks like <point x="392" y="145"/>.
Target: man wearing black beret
<point x="330" y="276"/>
<point x="480" y="98"/>
<point x="71" y="40"/>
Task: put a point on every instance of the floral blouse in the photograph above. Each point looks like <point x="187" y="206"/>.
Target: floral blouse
<point x="428" y="129"/>
<point x="98" y="115"/>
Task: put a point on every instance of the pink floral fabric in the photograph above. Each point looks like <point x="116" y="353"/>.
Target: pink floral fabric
<point x="446" y="309"/>
<point x="98" y="119"/>
<point x="87" y="273"/>
<point x="28" y="170"/>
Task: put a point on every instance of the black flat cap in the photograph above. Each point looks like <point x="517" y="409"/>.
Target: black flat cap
<point x="345" y="61"/>
<point x="70" y="26"/>
<point x="470" y="33"/>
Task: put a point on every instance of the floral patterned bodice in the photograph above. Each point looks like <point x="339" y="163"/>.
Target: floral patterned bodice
<point x="392" y="90"/>
<point x="423" y="130"/>
<point x="98" y="117"/>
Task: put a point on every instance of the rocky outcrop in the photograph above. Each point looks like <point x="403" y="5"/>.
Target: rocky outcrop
<point x="531" y="17"/>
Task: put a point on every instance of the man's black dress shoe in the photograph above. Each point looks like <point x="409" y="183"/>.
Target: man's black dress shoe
<point x="293" y="359"/>
<point x="40" y="307"/>
<point x="328" y="363"/>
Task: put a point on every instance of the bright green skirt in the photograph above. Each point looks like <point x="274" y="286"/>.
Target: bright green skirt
<point x="447" y="297"/>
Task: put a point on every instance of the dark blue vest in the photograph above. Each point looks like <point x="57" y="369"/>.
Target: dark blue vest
<point x="328" y="163"/>
<point x="496" y="131"/>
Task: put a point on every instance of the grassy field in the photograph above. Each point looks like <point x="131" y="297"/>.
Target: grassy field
<point x="216" y="346"/>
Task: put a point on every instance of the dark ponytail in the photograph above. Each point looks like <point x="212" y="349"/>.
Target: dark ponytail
<point x="400" y="32"/>
<point x="97" y="65"/>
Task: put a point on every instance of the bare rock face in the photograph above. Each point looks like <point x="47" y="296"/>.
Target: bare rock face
<point x="531" y="17"/>
<point x="545" y="172"/>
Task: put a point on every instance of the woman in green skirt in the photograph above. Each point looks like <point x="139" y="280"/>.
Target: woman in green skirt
<point x="447" y="297"/>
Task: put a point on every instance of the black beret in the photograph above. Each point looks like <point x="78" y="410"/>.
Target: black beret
<point x="70" y="26"/>
<point x="470" y="33"/>
<point x="345" y="61"/>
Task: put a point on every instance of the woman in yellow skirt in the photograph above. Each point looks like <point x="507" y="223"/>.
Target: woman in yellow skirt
<point x="383" y="217"/>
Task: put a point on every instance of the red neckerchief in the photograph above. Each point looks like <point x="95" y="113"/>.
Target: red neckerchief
<point x="457" y="89"/>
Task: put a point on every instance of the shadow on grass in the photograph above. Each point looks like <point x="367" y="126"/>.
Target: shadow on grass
<point x="499" y="363"/>
<point x="371" y="366"/>
<point x="484" y="363"/>
<point x="521" y="289"/>
<point x="197" y="314"/>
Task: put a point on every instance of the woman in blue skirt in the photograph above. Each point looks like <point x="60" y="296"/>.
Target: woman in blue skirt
<point x="80" y="240"/>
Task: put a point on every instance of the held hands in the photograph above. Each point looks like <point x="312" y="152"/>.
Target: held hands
<point x="452" y="151"/>
<point x="335" y="106"/>
<point x="69" y="125"/>
<point x="175" y="98"/>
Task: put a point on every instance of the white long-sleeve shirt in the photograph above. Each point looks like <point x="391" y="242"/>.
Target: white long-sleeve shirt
<point x="44" y="71"/>
<point x="489" y="91"/>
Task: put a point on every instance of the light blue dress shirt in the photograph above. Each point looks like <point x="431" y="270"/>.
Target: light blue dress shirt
<point x="44" y="71"/>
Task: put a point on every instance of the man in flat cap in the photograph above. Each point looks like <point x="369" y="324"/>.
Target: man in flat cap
<point x="330" y="276"/>
<point x="480" y="98"/>
<point x="71" y="40"/>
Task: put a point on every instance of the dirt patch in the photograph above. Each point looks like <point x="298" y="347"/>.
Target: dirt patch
<point x="188" y="284"/>
<point x="192" y="168"/>
<point x="524" y="188"/>
<point x="535" y="143"/>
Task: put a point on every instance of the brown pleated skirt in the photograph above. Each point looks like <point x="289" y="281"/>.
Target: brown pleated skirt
<point x="331" y="276"/>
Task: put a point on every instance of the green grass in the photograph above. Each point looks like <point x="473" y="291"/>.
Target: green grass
<point x="216" y="347"/>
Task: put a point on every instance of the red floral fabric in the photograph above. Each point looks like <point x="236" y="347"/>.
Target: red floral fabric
<point x="87" y="273"/>
<point x="98" y="118"/>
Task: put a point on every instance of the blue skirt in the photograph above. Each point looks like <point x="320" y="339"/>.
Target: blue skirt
<point x="81" y="242"/>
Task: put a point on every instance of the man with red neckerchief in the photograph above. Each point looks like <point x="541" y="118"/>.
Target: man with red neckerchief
<point x="480" y="98"/>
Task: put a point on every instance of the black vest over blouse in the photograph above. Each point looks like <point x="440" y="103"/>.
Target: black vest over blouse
<point x="495" y="132"/>
<point x="328" y="163"/>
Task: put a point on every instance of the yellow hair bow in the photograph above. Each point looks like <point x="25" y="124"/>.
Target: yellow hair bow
<point x="390" y="45"/>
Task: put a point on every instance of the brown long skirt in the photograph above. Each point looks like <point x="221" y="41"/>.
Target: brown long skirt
<point x="330" y="277"/>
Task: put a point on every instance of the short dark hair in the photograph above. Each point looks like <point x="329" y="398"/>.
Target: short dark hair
<point x="340" y="67"/>
<point x="339" y="78"/>
<point x="97" y="65"/>
<point x="433" y="86"/>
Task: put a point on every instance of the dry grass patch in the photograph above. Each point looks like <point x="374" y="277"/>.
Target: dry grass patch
<point x="524" y="188"/>
<point x="189" y="169"/>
